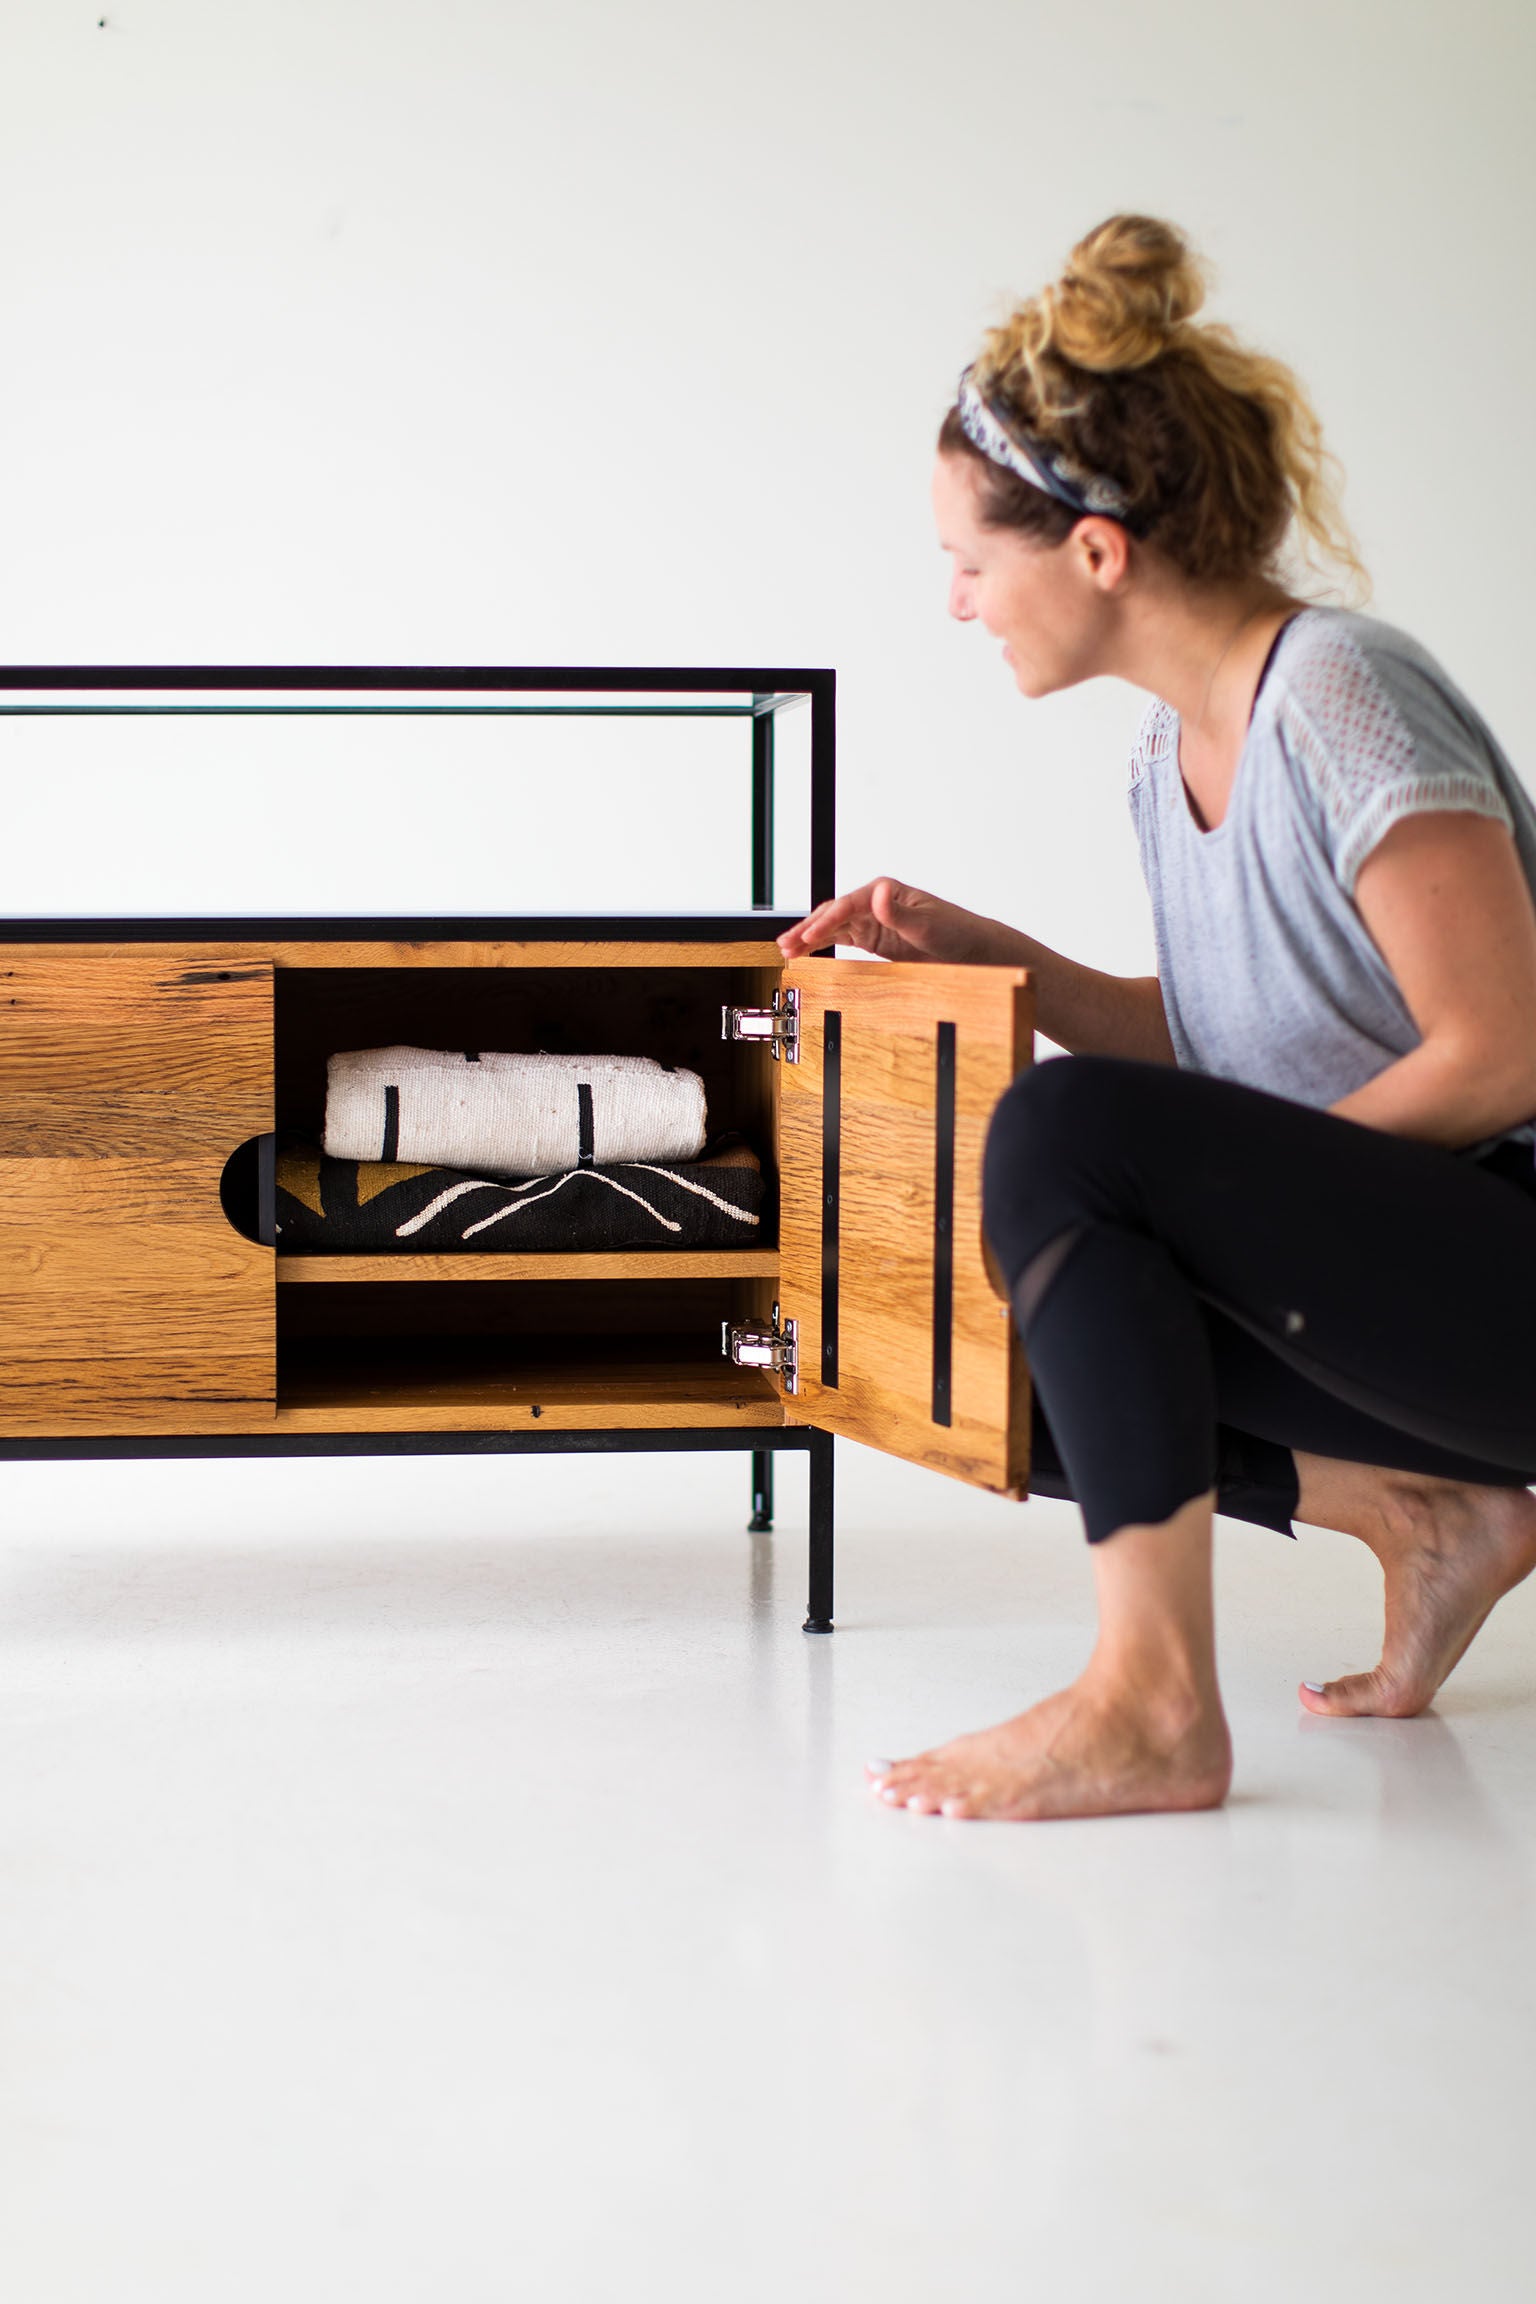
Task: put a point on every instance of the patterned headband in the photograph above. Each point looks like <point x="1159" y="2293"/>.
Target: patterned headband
<point x="1042" y="466"/>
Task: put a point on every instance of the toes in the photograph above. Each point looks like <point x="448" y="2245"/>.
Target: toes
<point x="895" y="1786"/>
<point x="923" y="1785"/>
<point x="939" y="1800"/>
<point x="919" y="1789"/>
<point x="1333" y="1699"/>
<point x="896" y="1777"/>
<point x="1361" y="1696"/>
<point x="887" y="1775"/>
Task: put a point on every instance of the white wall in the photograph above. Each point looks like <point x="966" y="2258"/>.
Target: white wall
<point x="477" y="330"/>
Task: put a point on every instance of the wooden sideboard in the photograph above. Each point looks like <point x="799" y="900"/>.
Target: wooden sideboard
<point x="147" y="1066"/>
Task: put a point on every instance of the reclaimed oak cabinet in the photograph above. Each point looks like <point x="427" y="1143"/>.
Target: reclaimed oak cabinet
<point x="148" y="1064"/>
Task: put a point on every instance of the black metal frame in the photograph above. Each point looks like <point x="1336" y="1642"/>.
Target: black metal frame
<point x="762" y="1442"/>
<point x="766" y="688"/>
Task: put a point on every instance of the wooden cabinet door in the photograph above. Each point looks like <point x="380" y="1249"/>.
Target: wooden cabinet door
<point x="902" y="1341"/>
<point x="128" y="1303"/>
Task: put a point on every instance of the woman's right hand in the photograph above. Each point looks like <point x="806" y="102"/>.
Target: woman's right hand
<point x="1081" y="1009"/>
<point x="894" y="922"/>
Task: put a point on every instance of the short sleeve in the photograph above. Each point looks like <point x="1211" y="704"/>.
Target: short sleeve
<point x="1377" y="749"/>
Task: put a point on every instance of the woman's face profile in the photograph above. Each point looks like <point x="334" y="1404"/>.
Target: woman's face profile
<point x="1045" y="602"/>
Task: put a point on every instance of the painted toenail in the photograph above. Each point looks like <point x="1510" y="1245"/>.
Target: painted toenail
<point x="879" y="1767"/>
<point x="1318" y="1687"/>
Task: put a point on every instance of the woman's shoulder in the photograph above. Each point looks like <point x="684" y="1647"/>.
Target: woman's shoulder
<point x="1354" y="678"/>
<point x="1341" y="672"/>
<point x="1157" y="739"/>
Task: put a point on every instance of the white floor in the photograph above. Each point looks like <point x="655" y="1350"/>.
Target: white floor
<point x="453" y="1881"/>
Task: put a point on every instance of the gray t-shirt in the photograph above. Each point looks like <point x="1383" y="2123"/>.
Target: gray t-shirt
<point x="1268" y="973"/>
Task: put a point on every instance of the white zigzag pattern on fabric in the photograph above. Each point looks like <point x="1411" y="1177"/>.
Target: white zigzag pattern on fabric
<point x="436" y="1207"/>
<point x="529" y="1198"/>
<point x="486" y="1222"/>
<point x="742" y="1215"/>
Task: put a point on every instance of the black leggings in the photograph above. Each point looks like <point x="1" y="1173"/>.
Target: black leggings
<point x="1207" y="1277"/>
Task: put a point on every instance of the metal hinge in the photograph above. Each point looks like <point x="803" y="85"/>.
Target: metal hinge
<point x="754" y="1344"/>
<point x="779" y="1025"/>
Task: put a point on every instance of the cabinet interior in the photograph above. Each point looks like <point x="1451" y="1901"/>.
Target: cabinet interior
<point x="442" y="1339"/>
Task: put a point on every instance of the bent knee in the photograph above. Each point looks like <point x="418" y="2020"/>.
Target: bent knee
<point x="1056" y="1108"/>
<point x="1050" y="1145"/>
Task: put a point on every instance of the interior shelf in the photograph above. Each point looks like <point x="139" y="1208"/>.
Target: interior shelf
<point x="526" y="1340"/>
<point x="597" y="1387"/>
<point x="631" y="1264"/>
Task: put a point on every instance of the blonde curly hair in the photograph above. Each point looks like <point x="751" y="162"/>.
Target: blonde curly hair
<point x="1217" y="448"/>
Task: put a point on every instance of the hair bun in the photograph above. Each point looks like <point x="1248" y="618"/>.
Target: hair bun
<point x="1213" y="449"/>
<point x="1125" y="290"/>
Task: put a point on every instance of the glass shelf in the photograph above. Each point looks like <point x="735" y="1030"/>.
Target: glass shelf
<point x="314" y="793"/>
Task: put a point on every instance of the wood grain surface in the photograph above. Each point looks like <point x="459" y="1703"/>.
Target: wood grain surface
<point x="749" y="953"/>
<point x="128" y="1074"/>
<point x="414" y="1393"/>
<point x="890" y="1017"/>
<point x="631" y="1264"/>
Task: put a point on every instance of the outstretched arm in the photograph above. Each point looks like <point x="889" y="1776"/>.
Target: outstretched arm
<point x="1081" y="1009"/>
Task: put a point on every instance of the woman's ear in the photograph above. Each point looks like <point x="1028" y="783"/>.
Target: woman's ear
<point x="1104" y="549"/>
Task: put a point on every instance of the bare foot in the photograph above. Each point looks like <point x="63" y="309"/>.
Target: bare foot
<point x="1093" y="1750"/>
<point x="1448" y="1553"/>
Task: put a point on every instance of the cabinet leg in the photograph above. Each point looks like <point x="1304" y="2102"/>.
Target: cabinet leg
<point x="819" y="1618"/>
<point x="762" y="1492"/>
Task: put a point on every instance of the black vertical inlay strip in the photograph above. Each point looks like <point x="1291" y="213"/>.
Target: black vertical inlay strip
<point x="391" y="1149"/>
<point x="585" y="1138"/>
<point x="943" y="1223"/>
<point x="831" y="1184"/>
<point x="266" y="1191"/>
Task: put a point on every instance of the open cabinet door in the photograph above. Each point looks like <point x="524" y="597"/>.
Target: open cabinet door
<point x="128" y="1303"/>
<point x="902" y="1342"/>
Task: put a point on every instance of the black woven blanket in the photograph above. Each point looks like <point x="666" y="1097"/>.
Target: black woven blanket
<point x="398" y="1207"/>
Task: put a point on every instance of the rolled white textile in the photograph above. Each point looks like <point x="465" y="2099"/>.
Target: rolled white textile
<point x="509" y="1115"/>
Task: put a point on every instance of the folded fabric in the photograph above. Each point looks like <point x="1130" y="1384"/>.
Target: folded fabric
<point x="342" y="1206"/>
<point x="509" y="1115"/>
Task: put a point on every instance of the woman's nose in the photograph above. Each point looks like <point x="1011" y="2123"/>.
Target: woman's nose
<point x="962" y="605"/>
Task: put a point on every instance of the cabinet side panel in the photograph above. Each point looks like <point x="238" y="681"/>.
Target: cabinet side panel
<point x="127" y="1077"/>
